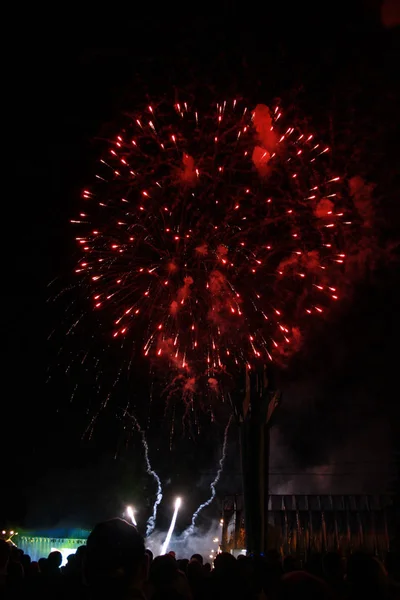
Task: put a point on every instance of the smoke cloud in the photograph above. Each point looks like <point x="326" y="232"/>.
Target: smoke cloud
<point x="200" y="541"/>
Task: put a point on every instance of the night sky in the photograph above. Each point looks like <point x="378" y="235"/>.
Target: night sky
<point x="337" y="425"/>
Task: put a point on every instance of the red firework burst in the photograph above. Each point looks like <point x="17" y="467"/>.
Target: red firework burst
<point x="209" y="237"/>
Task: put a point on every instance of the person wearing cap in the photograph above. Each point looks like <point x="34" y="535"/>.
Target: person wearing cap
<point x="115" y="564"/>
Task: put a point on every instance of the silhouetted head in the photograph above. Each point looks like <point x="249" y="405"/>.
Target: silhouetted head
<point x="26" y="563"/>
<point x="197" y="557"/>
<point x="224" y="563"/>
<point x="183" y="564"/>
<point x="300" y="584"/>
<point x="273" y="557"/>
<point x="54" y="561"/>
<point x="195" y="571"/>
<point x="115" y="558"/>
<point x="332" y="565"/>
<point x="207" y="568"/>
<point x="79" y="558"/>
<point x="163" y="571"/>
<point x="16" y="554"/>
<point x="80" y="552"/>
<point x="72" y="565"/>
<point x="393" y="565"/>
<point x="289" y="564"/>
<point x="42" y="562"/>
<point x="364" y="570"/>
<point x="314" y="565"/>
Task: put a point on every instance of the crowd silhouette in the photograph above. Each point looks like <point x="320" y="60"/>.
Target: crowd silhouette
<point x="115" y="565"/>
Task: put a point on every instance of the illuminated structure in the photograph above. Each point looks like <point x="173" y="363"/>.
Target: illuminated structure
<point x="39" y="544"/>
<point x="300" y="524"/>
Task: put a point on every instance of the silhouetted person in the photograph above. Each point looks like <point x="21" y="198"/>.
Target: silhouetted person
<point x="314" y="565"/>
<point x="26" y="563"/>
<point x="163" y="571"/>
<point x="224" y="579"/>
<point x="33" y="581"/>
<point x="115" y="565"/>
<point x="34" y="568"/>
<point x="289" y="564"/>
<point x="54" y="561"/>
<point x="15" y="587"/>
<point x="51" y="584"/>
<point x="333" y="571"/>
<point x="196" y="579"/>
<point x="297" y="585"/>
<point x="73" y="586"/>
<point x="273" y="572"/>
<point x="250" y="572"/>
<point x="42" y="562"/>
<point x="4" y="558"/>
<point x="16" y="554"/>
<point x="197" y="557"/>
<point x="166" y="581"/>
<point x="79" y="560"/>
<point x="366" y="578"/>
<point x="393" y="566"/>
<point x="71" y="567"/>
<point x="183" y="565"/>
<point x="150" y="556"/>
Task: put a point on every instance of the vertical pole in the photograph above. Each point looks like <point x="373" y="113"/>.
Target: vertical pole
<point x="385" y="526"/>
<point x="255" y="413"/>
<point x="286" y="536"/>
<point x="360" y="529"/>
<point x="224" y="533"/>
<point x="238" y="519"/>
<point x="252" y="473"/>
<point x="266" y="458"/>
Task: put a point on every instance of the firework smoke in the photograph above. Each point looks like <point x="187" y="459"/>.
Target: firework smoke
<point x="200" y="541"/>
<point x="151" y="523"/>
<point x="190" y="529"/>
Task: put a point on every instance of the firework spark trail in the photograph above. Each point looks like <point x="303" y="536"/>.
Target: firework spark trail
<point x="165" y="545"/>
<point x="131" y="514"/>
<point x="151" y="523"/>
<point x="190" y="529"/>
